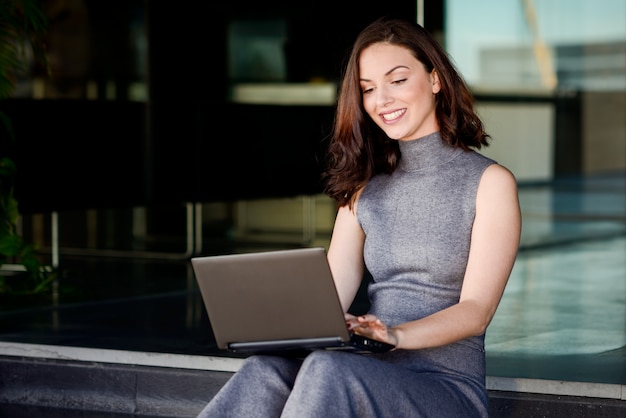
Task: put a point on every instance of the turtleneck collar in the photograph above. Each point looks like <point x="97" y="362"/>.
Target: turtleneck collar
<point x="427" y="151"/>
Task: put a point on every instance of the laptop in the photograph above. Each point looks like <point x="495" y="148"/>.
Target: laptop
<point x="281" y="301"/>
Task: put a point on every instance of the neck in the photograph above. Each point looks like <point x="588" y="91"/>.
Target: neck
<point x="427" y="151"/>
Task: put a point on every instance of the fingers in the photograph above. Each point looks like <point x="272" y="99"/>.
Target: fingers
<point x="369" y="320"/>
<point x="365" y="324"/>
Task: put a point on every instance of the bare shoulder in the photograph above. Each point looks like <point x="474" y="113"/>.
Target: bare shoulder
<point x="498" y="178"/>
<point x="497" y="192"/>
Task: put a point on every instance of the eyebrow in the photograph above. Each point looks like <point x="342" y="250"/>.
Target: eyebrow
<point x="388" y="72"/>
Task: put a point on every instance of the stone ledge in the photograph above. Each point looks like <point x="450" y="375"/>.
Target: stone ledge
<point x="92" y="386"/>
<point x="167" y="385"/>
<point x="527" y="405"/>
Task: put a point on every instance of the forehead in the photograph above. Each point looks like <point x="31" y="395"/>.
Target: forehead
<point x="382" y="57"/>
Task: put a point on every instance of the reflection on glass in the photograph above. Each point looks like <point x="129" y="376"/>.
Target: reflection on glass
<point x="256" y="50"/>
<point x="528" y="44"/>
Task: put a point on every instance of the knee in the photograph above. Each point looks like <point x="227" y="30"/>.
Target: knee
<point x="325" y="363"/>
<point x="262" y="362"/>
<point x="267" y="366"/>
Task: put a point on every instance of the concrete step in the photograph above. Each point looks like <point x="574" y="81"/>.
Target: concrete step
<point x="126" y="384"/>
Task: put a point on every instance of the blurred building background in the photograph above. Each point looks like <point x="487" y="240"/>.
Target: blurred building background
<point x="166" y="129"/>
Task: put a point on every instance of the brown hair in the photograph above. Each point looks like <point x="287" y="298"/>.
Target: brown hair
<point x="358" y="148"/>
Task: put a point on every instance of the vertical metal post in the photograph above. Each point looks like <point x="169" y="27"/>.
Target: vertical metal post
<point x="55" y="239"/>
<point x="197" y="220"/>
<point x="420" y="12"/>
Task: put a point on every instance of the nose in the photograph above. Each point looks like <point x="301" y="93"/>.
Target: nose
<point x="383" y="97"/>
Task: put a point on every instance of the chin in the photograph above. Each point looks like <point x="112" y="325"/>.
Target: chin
<point x="392" y="135"/>
<point x="398" y="137"/>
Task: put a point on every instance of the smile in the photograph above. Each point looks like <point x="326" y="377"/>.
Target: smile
<point x="393" y="115"/>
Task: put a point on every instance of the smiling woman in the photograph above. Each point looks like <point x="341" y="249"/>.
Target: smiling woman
<point x="389" y="92"/>
<point x="421" y="210"/>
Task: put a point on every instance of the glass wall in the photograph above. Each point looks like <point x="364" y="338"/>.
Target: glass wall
<point x="562" y="66"/>
<point x="550" y="81"/>
<point x="549" y="76"/>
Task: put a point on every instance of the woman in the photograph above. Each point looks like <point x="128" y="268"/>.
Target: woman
<point x="435" y="223"/>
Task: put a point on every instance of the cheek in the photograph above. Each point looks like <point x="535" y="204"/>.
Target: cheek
<point x="369" y="105"/>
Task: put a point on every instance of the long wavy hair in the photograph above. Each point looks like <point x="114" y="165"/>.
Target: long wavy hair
<point x="358" y="149"/>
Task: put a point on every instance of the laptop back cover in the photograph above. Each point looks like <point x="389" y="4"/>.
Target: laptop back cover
<point x="270" y="296"/>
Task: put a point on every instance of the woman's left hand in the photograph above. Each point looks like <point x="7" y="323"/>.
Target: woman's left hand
<point x="372" y="327"/>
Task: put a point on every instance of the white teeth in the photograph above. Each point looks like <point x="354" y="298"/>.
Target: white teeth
<point x="393" y="115"/>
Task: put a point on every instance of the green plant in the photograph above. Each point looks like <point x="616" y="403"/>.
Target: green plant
<point x="22" y="28"/>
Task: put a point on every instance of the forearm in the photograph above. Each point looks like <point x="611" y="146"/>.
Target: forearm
<point x="460" y="321"/>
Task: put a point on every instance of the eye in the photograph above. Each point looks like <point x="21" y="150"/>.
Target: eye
<point x="399" y="82"/>
<point x="367" y="90"/>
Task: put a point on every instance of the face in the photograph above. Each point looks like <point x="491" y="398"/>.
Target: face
<point x="398" y="92"/>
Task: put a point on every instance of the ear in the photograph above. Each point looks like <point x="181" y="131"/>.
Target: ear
<point x="434" y="79"/>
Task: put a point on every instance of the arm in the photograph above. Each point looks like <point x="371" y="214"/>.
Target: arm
<point x="345" y="255"/>
<point x="495" y="241"/>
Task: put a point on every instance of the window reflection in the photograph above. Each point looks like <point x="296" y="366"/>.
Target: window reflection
<point x="567" y="44"/>
<point x="256" y="50"/>
<point x="565" y="59"/>
<point x="95" y="51"/>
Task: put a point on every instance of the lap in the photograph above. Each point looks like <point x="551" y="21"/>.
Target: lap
<point x="341" y="384"/>
<point x="364" y="386"/>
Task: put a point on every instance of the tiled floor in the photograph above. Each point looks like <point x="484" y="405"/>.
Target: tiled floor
<point x="563" y="315"/>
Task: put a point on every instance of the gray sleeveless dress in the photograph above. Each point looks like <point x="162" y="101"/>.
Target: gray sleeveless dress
<point x="417" y="223"/>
